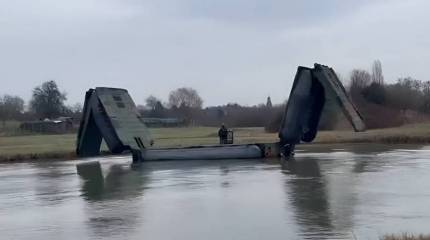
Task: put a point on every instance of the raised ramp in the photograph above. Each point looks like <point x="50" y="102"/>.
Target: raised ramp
<point x="312" y="88"/>
<point x="110" y="114"/>
<point x="334" y="89"/>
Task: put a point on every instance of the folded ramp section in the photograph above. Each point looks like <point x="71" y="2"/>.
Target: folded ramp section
<point x="312" y="88"/>
<point x="303" y="109"/>
<point x="110" y="114"/>
<point x="334" y="89"/>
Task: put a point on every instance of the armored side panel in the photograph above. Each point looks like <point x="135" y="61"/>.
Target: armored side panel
<point x="312" y="88"/>
<point x="110" y="114"/>
<point x="295" y="113"/>
<point x="89" y="135"/>
<point x="124" y="117"/>
<point x="304" y="107"/>
<point x="337" y="93"/>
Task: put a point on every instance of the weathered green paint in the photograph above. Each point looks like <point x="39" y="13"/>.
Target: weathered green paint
<point x="124" y="116"/>
<point x="312" y="89"/>
<point x="111" y="114"/>
<point x="336" y="93"/>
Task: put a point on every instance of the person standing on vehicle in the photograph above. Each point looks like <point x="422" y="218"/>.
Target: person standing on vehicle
<point x="222" y="134"/>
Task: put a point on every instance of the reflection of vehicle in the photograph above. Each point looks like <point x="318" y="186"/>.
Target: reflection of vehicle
<point x="110" y="114"/>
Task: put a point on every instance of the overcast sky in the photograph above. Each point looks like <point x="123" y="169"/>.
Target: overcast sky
<point x="228" y="50"/>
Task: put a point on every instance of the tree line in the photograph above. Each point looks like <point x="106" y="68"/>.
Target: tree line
<point x="47" y="102"/>
<point x="186" y="104"/>
<point x="381" y="104"/>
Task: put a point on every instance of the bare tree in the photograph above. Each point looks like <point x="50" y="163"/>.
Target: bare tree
<point x="185" y="97"/>
<point x="426" y="88"/>
<point x="377" y="76"/>
<point x="73" y="111"/>
<point x="76" y="108"/>
<point x="151" y="102"/>
<point x="425" y="103"/>
<point x="48" y="101"/>
<point x="405" y="94"/>
<point x="360" y="79"/>
<point x="10" y="107"/>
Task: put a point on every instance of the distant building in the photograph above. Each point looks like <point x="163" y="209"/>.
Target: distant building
<point x="163" y="122"/>
<point x="49" y="126"/>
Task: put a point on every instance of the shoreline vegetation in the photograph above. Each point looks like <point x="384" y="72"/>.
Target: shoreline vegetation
<point x="406" y="236"/>
<point x="61" y="147"/>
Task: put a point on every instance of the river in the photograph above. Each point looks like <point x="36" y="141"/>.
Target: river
<point x="357" y="191"/>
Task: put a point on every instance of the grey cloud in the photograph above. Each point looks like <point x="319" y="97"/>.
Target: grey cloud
<point x="230" y="51"/>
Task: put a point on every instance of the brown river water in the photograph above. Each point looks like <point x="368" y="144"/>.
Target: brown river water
<point x="326" y="192"/>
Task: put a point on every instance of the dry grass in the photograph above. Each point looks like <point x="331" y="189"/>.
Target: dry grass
<point x="413" y="134"/>
<point x="10" y="128"/>
<point x="406" y="236"/>
<point x="63" y="146"/>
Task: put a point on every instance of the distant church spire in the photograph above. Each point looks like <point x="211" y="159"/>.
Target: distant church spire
<point x="269" y="102"/>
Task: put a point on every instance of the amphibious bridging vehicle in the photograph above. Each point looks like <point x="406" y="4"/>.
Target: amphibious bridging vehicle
<point x="110" y="114"/>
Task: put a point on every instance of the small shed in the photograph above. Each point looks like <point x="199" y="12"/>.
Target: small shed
<point x="49" y="126"/>
<point x="163" y="122"/>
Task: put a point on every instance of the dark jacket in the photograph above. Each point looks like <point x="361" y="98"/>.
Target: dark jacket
<point x="222" y="132"/>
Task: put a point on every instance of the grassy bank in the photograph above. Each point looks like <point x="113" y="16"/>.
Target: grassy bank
<point x="63" y="146"/>
<point x="406" y="236"/>
<point x="408" y="134"/>
<point x="13" y="148"/>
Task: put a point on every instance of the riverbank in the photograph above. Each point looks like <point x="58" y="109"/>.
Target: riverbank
<point x="408" y="134"/>
<point x="406" y="236"/>
<point x="48" y="147"/>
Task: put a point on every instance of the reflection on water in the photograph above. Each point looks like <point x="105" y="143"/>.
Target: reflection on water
<point x="326" y="192"/>
<point x="121" y="182"/>
<point x="306" y="191"/>
<point x="119" y="193"/>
